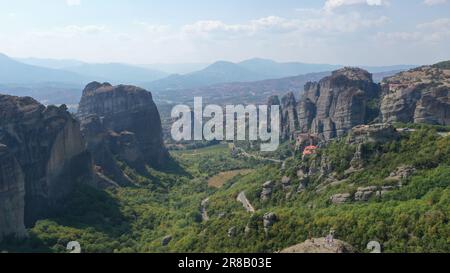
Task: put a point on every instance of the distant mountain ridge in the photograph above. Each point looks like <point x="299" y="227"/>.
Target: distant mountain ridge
<point x="12" y="71"/>
<point x="251" y="70"/>
<point x="273" y="69"/>
<point x="39" y="70"/>
<point x="218" y="72"/>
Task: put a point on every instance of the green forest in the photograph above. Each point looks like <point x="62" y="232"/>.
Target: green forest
<point x="411" y="217"/>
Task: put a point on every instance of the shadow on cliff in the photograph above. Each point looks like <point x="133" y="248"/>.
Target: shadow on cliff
<point x="30" y="244"/>
<point x="92" y="208"/>
<point x="172" y="166"/>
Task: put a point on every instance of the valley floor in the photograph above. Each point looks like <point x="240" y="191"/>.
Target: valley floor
<point x="171" y="205"/>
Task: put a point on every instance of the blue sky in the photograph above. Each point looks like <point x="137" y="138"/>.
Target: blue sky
<point x="353" y="32"/>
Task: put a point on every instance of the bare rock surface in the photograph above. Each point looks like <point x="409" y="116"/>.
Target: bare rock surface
<point x="46" y="143"/>
<point x="320" y="245"/>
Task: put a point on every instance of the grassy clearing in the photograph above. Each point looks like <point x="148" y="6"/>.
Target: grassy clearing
<point x="220" y="179"/>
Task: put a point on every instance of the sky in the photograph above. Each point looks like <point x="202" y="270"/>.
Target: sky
<point x="347" y="32"/>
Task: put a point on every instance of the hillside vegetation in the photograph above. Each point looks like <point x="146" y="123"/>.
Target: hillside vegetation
<point x="411" y="217"/>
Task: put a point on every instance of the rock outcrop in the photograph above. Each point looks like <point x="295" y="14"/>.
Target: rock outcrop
<point x="365" y="193"/>
<point x="336" y="104"/>
<point x="420" y="95"/>
<point x="320" y="245"/>
<point x="12" y="195"/>
<point x="341" y="198"/>
<point x="374" y="133"/>
<point x="289" y="117"/>
<point x="121" y="122"/>
<point x="267" y="189"/>
<point x="46" y="143"/>
<point x="268" y="220"/>
<point x="331" y="107"/>
<point x="166" y="240"/>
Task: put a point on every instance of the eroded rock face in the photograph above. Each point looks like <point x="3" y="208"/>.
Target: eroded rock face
<point x="121" y="122"/>
<point x="336" y="104"/>
<point x="267" y="189"/>
<point x="289" y="117"/>
<point x="365" y="193"/>
<point x="331" y="107"/>
<point x="47" y="144"/>
<point x="374" y="133"/>
<point x="420" y="95"/>
<point x="268" y="220"/>
<point x="12" y="195"/>
<point x="341" y="198"/>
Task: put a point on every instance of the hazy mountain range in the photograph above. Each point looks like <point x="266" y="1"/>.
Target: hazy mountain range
<point x="160" y="76"/>
<point x="54" y="81"/>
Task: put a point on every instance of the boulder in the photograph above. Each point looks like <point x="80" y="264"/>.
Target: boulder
<point x="267" y="190"/>
<point x="232" y="232"/>
<point x="365" y="193"/>
<point x="286" y="183"/>
<point x="268" y="220"/>
<point x="341" y="198"/>
<point x="402" y="172"/>
<point x="166" y="240"/>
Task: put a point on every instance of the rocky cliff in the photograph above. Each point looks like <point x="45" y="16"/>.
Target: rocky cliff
<point x="331" y="107"/>
<point x="289" y="117"/>
<point x="12" y="195"/>
<point x="420" y="95"/>
<point x="121" y="122"/>
<point x="47" y="145"/>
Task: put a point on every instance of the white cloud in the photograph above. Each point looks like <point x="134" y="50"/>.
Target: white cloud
<point x="438" y="24"/>
<point x="330" y="5"/>
<point x="71" y="31"/>
<point x="72" y="3"/>
<point x="319" y="23"/>
<point x="429" y="32"/>
<point x="154" y="28"/>
<point x="434" y="2"/>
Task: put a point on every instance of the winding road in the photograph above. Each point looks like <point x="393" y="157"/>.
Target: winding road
<point x="243" y="199"/>
<point x="204" y="212"/>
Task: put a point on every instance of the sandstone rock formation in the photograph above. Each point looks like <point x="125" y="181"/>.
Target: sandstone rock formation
<point x="46" y="142"/>
<point x="420" y="95"/>
<point x="341" y="198"/>
<point x="289" y="117"/>
<point x="320" y="245"/>
<point x="121" y="122"/>
<point x="336" y="104"/>
<point x="268" y="220"/>
<point x="374" y="133"/>
<point x="267" y="190"/>
<point x="286" y="183"/>
<point x="12" y="195"/>
<point x="365" y="193"/>
<point x="331" y="107"/>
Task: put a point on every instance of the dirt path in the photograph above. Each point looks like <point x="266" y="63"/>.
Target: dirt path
<point x="243" y="199"/>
